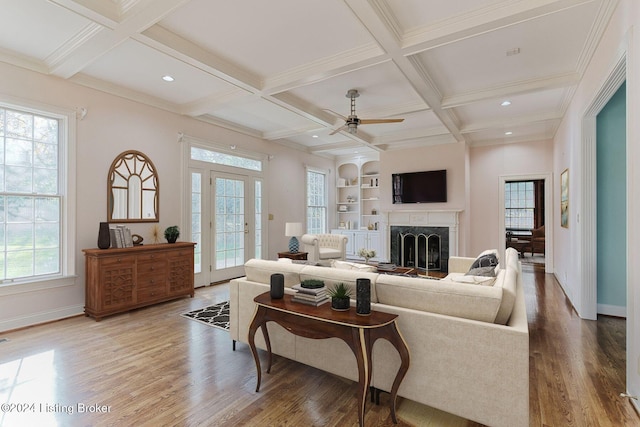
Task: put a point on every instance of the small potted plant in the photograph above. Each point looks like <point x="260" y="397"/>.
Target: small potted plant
<point x="340" y="294"/>
<point x="172" y="233"/>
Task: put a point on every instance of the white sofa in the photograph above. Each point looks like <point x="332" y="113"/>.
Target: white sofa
<point x="469" y="343"/>
<point x="323" y="247"/>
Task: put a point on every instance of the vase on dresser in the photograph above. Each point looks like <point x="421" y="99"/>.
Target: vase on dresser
<point x="104" y="238"/>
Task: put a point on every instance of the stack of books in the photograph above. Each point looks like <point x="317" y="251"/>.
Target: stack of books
<point x="310" y="296"/>
<point x="120" y="237"/>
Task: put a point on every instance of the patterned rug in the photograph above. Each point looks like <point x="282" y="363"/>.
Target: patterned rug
<point x="215" y="315"/>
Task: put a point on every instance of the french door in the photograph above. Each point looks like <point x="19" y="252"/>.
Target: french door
<point x="232" y="224"/>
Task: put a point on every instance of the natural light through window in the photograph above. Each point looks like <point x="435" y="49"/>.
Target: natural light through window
<point x="225" y="159"/>
<point x="519" y="205"/>
<point x="30" y="197"/>
<point x="316" y="202"/>
<point x="196" y="220"/>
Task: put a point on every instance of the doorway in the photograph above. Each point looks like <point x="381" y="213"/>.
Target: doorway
<point x="523" y="210"/>
<point x="225" y="209"/>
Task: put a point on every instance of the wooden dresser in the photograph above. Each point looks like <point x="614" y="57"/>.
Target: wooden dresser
<point x="122" y="279"/>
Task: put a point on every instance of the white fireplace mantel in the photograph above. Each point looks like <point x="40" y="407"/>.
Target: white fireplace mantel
<point x="426" y="218"/>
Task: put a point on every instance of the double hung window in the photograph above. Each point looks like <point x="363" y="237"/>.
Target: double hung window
<point x="31" y="196"/>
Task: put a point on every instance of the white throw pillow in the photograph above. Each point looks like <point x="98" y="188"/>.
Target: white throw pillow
<point x="345" y="265"/>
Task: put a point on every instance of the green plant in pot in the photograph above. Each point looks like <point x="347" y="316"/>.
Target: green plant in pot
<point x="172" y="233"/>
<point x="340" y="294"/>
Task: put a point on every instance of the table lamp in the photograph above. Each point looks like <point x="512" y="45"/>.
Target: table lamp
<point x="293" y="229"/>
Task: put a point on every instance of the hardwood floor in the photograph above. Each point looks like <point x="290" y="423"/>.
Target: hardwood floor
<point x="153" y="367"/>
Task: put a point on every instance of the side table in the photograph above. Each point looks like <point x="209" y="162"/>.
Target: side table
<point x="297" y="256"/>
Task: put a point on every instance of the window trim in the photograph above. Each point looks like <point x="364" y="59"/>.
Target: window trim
<point x="67" y="183"/>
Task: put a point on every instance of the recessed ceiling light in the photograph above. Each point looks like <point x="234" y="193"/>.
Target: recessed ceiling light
<point x="168" y="78"/>
<point x="508" y="133"/>
<point x="314" y="136"/>
<point x="506" y="103"/>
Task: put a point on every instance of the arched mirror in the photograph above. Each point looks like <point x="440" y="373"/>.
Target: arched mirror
<point x="132" y="189"/>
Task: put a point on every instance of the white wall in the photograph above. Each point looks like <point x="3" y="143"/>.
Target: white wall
<point x="621" y="36"/>
<point x="113" y="125"/>
<point x="488" y="164"/>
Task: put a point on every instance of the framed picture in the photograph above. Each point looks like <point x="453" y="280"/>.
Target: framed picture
<point x="564" y="199"/>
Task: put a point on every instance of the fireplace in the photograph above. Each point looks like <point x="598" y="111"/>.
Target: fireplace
<point x="422" y="239"/>
<point x="424" y="248"/>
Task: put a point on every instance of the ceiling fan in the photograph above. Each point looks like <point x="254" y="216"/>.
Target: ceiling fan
<point x="351" y="123"/>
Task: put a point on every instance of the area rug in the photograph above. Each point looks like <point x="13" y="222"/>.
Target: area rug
<point x="216" y="315"/>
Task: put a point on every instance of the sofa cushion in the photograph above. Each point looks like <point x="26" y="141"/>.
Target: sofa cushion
<point x="440" y="296"/>
<point x="260" y="270"/>
<point x="326" y="253"/>
<point x="472" y="279"/>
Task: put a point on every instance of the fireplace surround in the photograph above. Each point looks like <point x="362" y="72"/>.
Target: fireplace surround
<point x="422" y="239"/>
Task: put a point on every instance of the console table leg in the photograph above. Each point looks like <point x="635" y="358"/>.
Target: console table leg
<point x="258" y="320"/>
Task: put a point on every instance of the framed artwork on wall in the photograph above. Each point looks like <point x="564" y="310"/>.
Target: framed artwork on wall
<point x="564" y="199"/>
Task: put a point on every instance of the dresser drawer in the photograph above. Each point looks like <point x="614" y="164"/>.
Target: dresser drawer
<point x="151" y="257"/>
<point x="152" y="280"/>
<point x="151" y="292"/>
<point x="152" y="267"/>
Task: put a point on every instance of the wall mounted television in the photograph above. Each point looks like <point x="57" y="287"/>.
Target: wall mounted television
<point x="420" y="187"/>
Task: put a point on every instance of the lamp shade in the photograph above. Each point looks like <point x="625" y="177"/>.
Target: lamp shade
<point x="293" y="229"/>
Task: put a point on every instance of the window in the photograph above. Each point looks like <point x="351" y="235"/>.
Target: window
<point x="258" y="219"/>
<point x="196" y="220"/>
<point x="519" y="200"/>
<point x="217" y="157"/>
<point x="33" y="206"/>
<point x="316" y="202"/>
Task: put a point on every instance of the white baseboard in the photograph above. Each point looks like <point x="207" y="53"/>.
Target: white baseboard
<point x="43" y="317"/>
<point x="612" y="310"/>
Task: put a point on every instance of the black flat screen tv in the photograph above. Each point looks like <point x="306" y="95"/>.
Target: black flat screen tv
<point x="420" y="187"/>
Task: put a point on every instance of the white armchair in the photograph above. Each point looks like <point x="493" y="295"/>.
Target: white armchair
<point x="325" y="246"/>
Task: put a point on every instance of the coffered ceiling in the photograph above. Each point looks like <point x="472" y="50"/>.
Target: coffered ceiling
<point x="278" y="69"/>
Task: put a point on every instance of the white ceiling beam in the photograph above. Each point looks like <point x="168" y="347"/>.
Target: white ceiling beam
<point x="173" y="45"/>
<point x="212" y="102"/>
<point x="105" y="39"/>
<point x="373" y="18"/>
<point x="105" y="13"/>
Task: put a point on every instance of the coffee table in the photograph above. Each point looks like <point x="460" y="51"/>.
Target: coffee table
<point x="359" y="332"/>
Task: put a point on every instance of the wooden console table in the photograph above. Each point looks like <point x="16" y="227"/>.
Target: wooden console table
<point x="359" y="332"/>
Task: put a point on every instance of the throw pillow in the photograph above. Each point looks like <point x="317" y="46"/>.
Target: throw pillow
<point x="489" y="271"/>
<point x="487" y="260"/>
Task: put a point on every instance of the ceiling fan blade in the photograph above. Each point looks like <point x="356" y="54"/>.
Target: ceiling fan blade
<point x="338" y="130"/>
<point x="376" y="121"/>
<point x="333" y="113"/>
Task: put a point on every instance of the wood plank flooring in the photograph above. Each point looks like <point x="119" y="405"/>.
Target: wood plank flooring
<point x="152" y="367"/>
